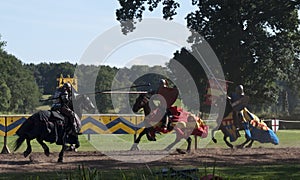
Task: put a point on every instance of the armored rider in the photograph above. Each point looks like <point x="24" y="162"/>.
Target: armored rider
<point x="170" y="95"/>
<point x="238" y="102"/>
<point x="63" y="104"/>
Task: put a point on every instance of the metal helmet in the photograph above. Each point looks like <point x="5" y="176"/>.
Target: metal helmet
<point x="67" y="86"/>
<point x="239" y="90"/>
<point x="163" y="83"/>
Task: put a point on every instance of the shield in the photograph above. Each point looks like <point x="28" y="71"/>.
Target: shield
<point x="170" y="95"/>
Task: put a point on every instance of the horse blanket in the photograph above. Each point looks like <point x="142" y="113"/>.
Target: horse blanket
<point x="183" y="122"/>
<point x="230" y="129"/>
<point x="255" y="129"/>
<point x="187" y="124"/>
<point x="48" y="125"/>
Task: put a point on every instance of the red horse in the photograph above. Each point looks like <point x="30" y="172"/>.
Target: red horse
<point x="182" y="122"/>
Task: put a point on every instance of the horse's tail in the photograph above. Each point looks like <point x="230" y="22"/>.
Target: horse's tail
<point x="23" y="131"/>
<point x="19" y="142"/>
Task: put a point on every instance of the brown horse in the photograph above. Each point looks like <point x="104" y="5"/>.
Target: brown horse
<point x="182" y="122"/>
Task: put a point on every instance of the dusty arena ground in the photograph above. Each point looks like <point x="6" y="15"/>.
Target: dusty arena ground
<point x="38" y="162"/>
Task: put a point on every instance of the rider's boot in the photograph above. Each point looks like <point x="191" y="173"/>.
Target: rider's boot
<point x="164" y="126"/>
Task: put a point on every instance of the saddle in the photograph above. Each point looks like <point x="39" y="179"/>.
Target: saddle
<point x="57" y="115"/>
<point x="55" y="127"/>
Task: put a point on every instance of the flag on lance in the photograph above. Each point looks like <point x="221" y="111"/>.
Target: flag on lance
<point x="275" y="125"/>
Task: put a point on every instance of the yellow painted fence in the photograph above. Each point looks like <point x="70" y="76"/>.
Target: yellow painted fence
<point x="91" y="124"/>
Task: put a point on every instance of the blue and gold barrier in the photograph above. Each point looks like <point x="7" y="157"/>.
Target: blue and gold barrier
<point x="91" y="124"/>
<point x="9" y="124"/>
<point x="112" y="124"/>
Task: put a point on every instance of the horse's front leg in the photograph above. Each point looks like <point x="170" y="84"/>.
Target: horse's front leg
<point x="227" y="143"/>
<point x="77" y="143"/>
<point x="188" y="149"/>
<point x="61" y="153"/>
<point x="250" y="144"/>
<point x="243" y="144"/>
<point x="213" y="134"/>
<point x="28" y="149"/>
<point x="189" y="141"/>
<point x="168" y="148"/>
<point x="135" y="146"/>
<point x="73" y="140"/>
<point x="63" y="149"/>
<point x="44" y="146"/>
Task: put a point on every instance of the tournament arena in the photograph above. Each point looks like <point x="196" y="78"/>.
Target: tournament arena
<point x="109" y="158"/>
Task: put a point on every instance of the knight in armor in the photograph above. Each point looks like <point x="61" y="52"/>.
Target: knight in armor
<point x="165" y="120"/>
<point x="235" y="99"/>
<point x="166" y="97"/>
<point x="63" y="104"/>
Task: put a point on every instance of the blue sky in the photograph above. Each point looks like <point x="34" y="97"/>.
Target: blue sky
<point x="57" y="31"/>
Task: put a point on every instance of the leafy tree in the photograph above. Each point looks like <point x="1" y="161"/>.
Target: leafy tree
<point x="46" y="74"/>
<point x="5" y="96"/>
<point x="257" y="42"/>
<point x="196" y="75"/>
<point x="2" y="44"/>
<point x="20" y="93"/>
<point x="104" y="82"/>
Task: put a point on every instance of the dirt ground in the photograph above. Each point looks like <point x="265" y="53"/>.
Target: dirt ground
<point x="38" y="162"/>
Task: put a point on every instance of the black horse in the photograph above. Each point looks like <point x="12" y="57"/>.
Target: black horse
<point x="51" y="126"/>
<point x="248" y="122"/>
<point x="186" y="125"/>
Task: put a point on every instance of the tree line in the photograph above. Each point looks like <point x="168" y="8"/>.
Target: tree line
<point x="22" y="85"/>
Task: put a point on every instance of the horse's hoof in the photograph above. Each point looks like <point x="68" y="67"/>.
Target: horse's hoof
<point x="135" y="147"/>
<point x="167" y="149"/>
<point x="248" y="146"/>
<point x="47" y="153"/>
<point x="214" y="140"/>
<point x="26" y="154"/>
<point x="239" y="147"/>
<point x="71" y="148"/>
<point x="180" y="151"/>
<point x="60" y="160"/>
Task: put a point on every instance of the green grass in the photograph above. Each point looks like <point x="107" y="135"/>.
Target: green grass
<point x="107" y="142"/>
<point x="241" y="172"/>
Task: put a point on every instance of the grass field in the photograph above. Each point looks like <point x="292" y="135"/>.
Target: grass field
<point x="106" y="142"/>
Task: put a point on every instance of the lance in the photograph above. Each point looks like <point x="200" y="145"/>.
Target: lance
<point x="112" y="91"/>
<point x="125" y="92"/>
<point x="118" y="90"/>
<point x="211" y="73"/>
<point x="49" y="99"/>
